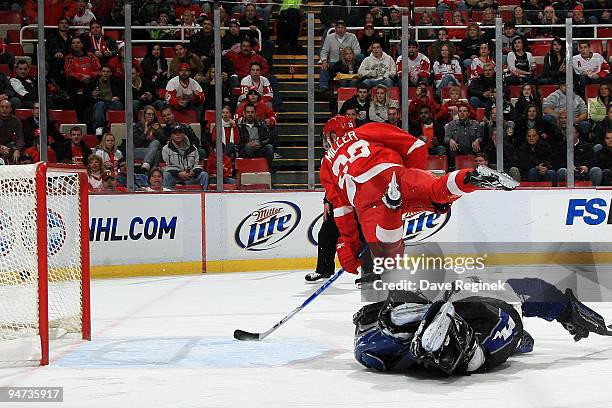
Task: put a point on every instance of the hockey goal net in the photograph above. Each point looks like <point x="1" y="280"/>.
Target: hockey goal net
<point x="44" y="258"/>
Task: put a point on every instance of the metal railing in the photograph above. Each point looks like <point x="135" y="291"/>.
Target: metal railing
<point x="182" y="30"/>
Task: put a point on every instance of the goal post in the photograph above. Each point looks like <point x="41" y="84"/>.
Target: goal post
<point x="44" y="258"/>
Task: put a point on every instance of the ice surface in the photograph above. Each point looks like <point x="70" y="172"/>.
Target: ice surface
<point x="167" y="342"/>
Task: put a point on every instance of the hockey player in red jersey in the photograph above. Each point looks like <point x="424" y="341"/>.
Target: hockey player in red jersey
<point x="377" y="171"/>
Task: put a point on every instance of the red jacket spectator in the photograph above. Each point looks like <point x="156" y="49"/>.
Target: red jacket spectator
<point x="54" y="9"/>
<point x="263" y="112"/>
<point x="116" y="65"/>
<point x="445" y="114"/>
<point x="211" y="165"/>
<point x="422" y="99"/>
<point x="242" y="60"/>
<point x="78" y="66"/>
<point x="35" y="154"/>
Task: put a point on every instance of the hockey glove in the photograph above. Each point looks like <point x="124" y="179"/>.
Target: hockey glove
<point x="579" y="320"/>
<point x="347" y="257"/>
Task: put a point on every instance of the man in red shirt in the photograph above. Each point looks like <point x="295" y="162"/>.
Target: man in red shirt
<point x="242" y="60"/>
<point x="375" y="172"/>
<point x="80" y="67"/>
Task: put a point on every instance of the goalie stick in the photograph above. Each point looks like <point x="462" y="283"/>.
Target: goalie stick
<point x="244" y="335"/>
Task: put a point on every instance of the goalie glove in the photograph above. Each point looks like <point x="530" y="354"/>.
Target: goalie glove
<point x="579" y="320"/>
<point x="348" y="257"/>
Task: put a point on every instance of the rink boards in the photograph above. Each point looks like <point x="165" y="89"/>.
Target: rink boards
<point x="168" y="234"/>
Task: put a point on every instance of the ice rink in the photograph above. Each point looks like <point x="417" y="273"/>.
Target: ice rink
<point x="167" y="342"/>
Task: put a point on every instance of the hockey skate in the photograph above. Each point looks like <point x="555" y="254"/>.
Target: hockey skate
<point x="486" y="177"/>
<point x="314" y="277"/>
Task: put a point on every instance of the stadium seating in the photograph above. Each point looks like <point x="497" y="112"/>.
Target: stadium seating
<point x="63" y="116"/>
<point x="437" y="163"/>
<point x="115" y="117"/>
<point x="465" y="161"/>
<point x="535" y="184"/>
<point x="253" y="171"/>
<point x="23" y="113"/>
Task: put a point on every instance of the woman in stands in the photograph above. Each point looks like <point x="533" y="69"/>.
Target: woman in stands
<point x="447" y="70"/>
<point x="598" y="106"/>
<point x="208" y="86"/>
<point x="109" y="153"/>
<point x="143" y="92"/>
<point x="521" y="65"/>
<point x="155" y="67"/>
<point x="457" y="20"/>
<point x="380" y="105"/>
<point x="488" y="19"/>
<point x="532" y="118"/>
<point x="427" y="19"/>
<point x="230" y="130"/>
<point x="529" y="96"/>
<point x="518" y="17"/>
<point x="471" y="44"/>
<point x="554" y="63"/>
<point x="156" y="179"/>
<point x="344" y="72"/>
<point x="95" y="171"/>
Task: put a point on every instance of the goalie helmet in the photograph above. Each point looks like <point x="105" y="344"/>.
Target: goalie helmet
<point x="445" y="341"/>
<point x="339" y="125"/>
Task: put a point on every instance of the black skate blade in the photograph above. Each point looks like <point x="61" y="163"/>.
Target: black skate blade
<point x="245" y="336"/>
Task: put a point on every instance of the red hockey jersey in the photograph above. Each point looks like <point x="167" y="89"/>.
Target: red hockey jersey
<point x="363" y="153"/>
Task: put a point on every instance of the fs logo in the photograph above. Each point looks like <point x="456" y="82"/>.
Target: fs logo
<point x="596" y="208"/>
<point x="420" y="226"/>
<point x="269" y="224"/>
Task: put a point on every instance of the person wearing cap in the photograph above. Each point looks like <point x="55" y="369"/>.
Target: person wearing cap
<point x="419" y="66"/>
<point x="330" y="52"/>
<point x="368" y="36"/>
<point x="232" y="38"/>
<point x="182" y="161"/>
<point x="184" y="92"/>
<point x="262" y="110"/>
<point x="34" y="150"/>
<point x="332" y="11"/>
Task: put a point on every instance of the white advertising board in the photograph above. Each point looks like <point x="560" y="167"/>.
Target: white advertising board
<point x="145" y="228"/>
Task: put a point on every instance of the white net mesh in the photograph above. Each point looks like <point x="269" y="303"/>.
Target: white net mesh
<point x="19" y="254"/>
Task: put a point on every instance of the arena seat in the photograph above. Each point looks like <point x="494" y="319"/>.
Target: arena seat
<point x="591" y="91"/>
<point x="546" y="90"/>
<point x="480" y="114"/>
<point x="209" y="118"/>
<point x="191" y="187"/>
<point x="226" y="187"/>
<point x="10" y="17"/>
<point x="465" y="161"/>
<point x="168" y="53"/>
<point x="197" y="129"/>
<point x="91" y="140"/>
<point x="253" y="171"/>
<point x="115" y="116"/>
<point x="189" y="116"/>
<point x="63" y="116"/>
<point x="515" y="91"/>
<point x="139" y="51"/>
<point x="12" y="36"/>
<point x="16" y="49"/>
<point x="424" y="3"/>
<point x="4" y="68"/>
<point x="254" y="187"/>
<point x="345" y="94"/>
<point x="539" y="49"/>
<point x="508" y="3"/>
<point x="437" y="163"/>
<point x="116" y="35"/>
<point x="577" y="183"/>
<point x="23" y="114"/>
<point x="540" y="184"/>
<point x="119" y="131"/>
<point x="64" y="128"/>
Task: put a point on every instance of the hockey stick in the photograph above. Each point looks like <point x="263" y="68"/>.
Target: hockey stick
<point x="244" y="335"/>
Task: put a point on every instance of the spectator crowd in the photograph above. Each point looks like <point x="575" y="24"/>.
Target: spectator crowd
<point x="451" y="74"/>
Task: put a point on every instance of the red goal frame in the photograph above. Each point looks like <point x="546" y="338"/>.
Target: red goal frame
<point x="42" y="247"/>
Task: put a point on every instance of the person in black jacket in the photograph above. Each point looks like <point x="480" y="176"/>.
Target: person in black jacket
<point x="584" y="160"/>
<point x="255" y="137"/>
<point x="510" y="157"/>
<point x="554" y="64"/>
<point x="105" y="93"/>
<point x="429" y="131"/>
<point x="58" y="46"/>
<point x="361" y="103"/>
<point x="154" y="66"/>
<point x="482" y="89"/>
<point x="604" y="159"/>
<point x="532" y="118"/>
<point x="535" y="159"/>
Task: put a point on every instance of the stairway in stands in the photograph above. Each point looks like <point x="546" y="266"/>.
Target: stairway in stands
<point x="291" y="171"/>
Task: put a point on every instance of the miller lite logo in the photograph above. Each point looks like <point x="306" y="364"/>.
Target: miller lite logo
<point x="267" y="225"/>
<point x="420" y="226"/>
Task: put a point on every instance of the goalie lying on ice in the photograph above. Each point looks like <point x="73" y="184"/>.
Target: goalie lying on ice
<point x="467" y="335"/>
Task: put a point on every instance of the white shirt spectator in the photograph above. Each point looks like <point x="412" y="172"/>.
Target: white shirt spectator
<point x="263" y="88"/>
<point x="442" y="69"/>
<point x="596" y="64"/>
<point x="378" y="68"/>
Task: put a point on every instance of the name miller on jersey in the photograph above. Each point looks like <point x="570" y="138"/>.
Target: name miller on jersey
<point x="341" y="141"/>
